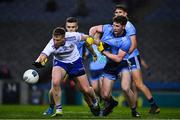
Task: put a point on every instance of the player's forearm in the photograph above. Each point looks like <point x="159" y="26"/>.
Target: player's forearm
<point x="84" y="37"/>
<point x="97" y="38"/>
<point x="113" y="57"/>
<point x="144" y="64"/>
<point x="90" y="48"/>
<point x="95" y="29"/>
<point x="42" y="58"/>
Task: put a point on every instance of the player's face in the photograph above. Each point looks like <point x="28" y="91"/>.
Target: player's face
<point x="120" y="12"/>
<point x="118" y="28"/>
<point x="59" y="40"/>
<point x="71" y="27"/>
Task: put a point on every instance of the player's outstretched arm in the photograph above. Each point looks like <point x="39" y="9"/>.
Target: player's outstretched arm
<point x="133" y="43"/>
<point x="91" y="50"/>
<point x="97" y="38"/>
<point x="96" y="32"/>
<point x="41" y="61"/>
<point x="117" y="58"/>
<point x="95" y="29"/>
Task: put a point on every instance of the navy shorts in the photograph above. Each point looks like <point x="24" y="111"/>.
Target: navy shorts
<point x="112" y="69"/>
<point x="96" y="74"/>
<point x="73" y="69"/>
<point x="134" y="63"/>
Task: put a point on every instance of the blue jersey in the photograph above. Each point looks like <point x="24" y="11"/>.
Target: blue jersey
<point x="80" y="46"/>
<point x="130" y="30"/>
<point x="101" y="60"/>
<point x="112" y="43"/>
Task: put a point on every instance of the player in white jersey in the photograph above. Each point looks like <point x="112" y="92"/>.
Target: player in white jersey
<point x="134" y="61"/>
<point x="71" y="26"/>
<point x="67" y="60"/>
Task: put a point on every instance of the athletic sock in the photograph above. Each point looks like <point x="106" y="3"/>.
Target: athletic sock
<point x="95" y="102"/>
<point x="133" y="109"/>
<point x="59" y="107"/>
<point x="152" y="102"/>
<point x="51" y="106"/>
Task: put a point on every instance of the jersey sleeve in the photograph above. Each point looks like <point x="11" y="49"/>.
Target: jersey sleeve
<point x="106" y="28"/>
<point x="130" y="29"/>
<point x="49" y="48"/>
<point x="73" y="36"/>
<point x="78" y="36"/>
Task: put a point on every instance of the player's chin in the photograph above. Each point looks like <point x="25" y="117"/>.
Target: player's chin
<point x="115" y="32"/>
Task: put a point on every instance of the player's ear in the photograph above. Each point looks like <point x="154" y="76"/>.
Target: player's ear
<point x="125" y="14"/>
<point x="123" y="26"/>
<point x="77" y="27"/>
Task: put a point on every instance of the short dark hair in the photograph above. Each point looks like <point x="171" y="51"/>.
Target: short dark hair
<point x="122" y="7"/>
<point x="59" y="31"/>
<point x="120" y="19"/>
<point x="71" y="19"/>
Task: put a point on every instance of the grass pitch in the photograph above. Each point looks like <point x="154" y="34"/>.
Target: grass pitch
<point x="80" y="112"/>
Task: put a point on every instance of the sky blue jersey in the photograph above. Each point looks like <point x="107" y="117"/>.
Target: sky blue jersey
<point x="113" y="44"/>
<point x="80" y="46"/>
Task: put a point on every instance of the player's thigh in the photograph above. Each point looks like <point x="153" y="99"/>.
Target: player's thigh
<point x="137" y="76"/>
<point x="107" y="85"/>
<point x="58" y="74"/>
<point x="135" y="67"/>
<point x="94" y="84"/>
<point x="82" y="81"/>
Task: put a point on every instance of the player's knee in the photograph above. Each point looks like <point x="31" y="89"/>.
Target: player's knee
<point x="95" y="88"/>
<point x="125" y="89"/>
<point x="139" y="85"/>
<point x="55" y="83"/>
<point x="85" y="90"/>
<point x="50" y="91"/>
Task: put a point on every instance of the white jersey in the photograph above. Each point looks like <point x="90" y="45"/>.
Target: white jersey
<point x="67" y="53"/>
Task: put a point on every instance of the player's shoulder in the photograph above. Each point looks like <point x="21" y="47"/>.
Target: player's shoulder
<point x="126" y="39"/>
<point x="51" y="41"/>
<point x="129" y="25"/>
<point x="107" y="27"/>
<point x="70" y="34"/>
<point x="81" y="33"/>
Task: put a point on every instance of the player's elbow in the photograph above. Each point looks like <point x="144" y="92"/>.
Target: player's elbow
<point x="92" y="31"/>
<point x="95" y="29"/>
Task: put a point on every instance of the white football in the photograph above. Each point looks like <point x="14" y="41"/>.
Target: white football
<point x="31" y="76"/>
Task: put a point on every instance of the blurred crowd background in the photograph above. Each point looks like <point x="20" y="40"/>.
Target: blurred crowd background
<point x="26" y="27"/>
